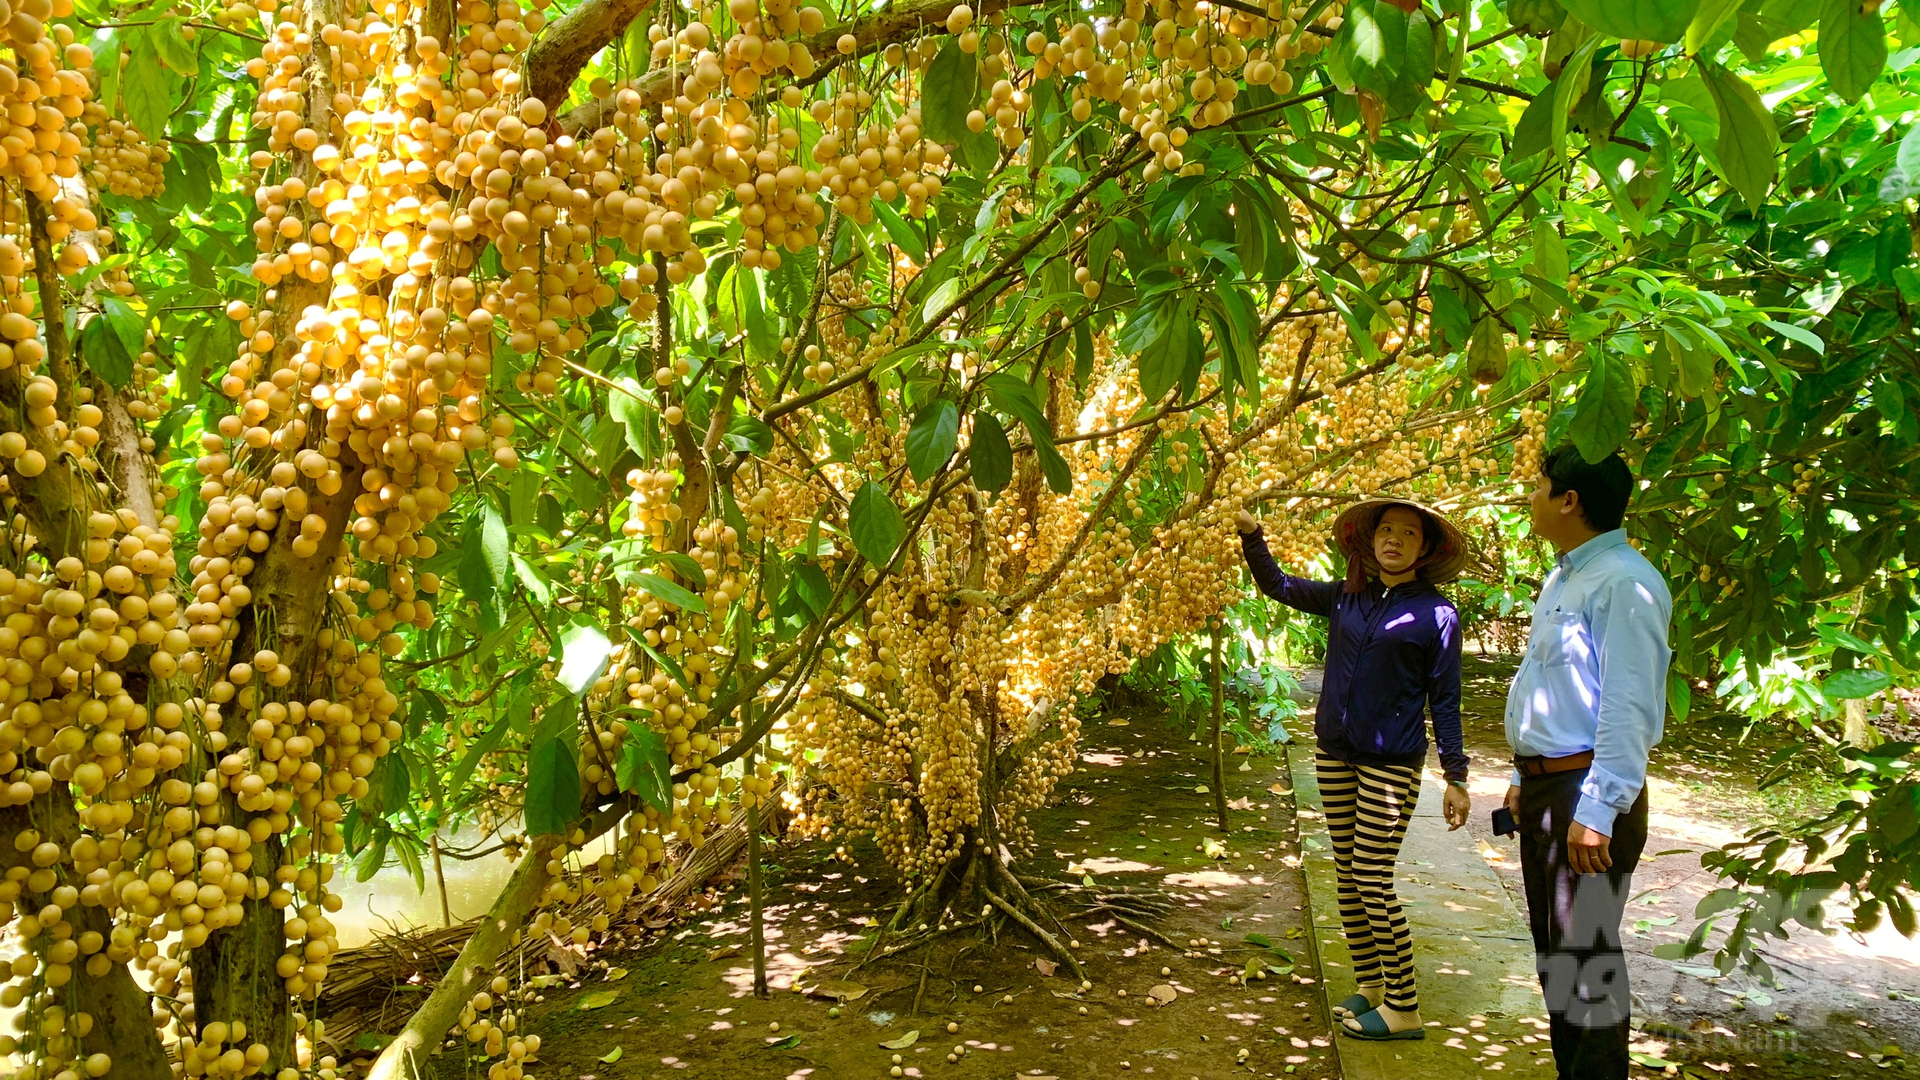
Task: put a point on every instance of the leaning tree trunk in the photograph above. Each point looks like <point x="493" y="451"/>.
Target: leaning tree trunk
<point x="470" y="969"/>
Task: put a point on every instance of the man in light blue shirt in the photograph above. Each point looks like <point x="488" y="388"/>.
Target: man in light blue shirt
<point x="1587" y="706"/>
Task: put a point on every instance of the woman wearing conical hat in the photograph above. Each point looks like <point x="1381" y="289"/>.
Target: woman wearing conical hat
<point x="1393" y="659"/>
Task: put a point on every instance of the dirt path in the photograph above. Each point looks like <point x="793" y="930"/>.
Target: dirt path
<point x="1843" y="1007"/>
<point x="1130" y="816"/>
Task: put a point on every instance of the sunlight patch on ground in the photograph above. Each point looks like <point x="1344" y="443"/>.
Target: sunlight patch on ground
<point x="1204" y="879"/>
<point x="1105" y="865"/>
<point x="782" y="969"/>
<point x="1110" y="760"/>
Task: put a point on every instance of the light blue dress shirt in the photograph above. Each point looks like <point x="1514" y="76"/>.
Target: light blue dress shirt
<point x="1595" y="673"/>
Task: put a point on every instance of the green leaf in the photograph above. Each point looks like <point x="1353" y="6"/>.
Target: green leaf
<point x="669" y="592"/>
<point x="536" y="582"/>
<point x="645" y="768"/>
<point x="147" y="88"/>
<point x="1800" y="334"/>
<point x="1163" y="360"/>
<point x="1853" y="46"/>
<point x="947" y="92"/>
<point x="931" y="440"/>
<point x="628" y="405"/>
<point x="748" y="434"/>
<point x="617" y="1052"/>
<point x="1747" y="139"/>
<point x="1604" y="413"/>
<point x="1640" y="20"/>
<point x="1016" y="397"/>
<point x="474" y="571"/>
<point x="1679" y="696"/>
<point x="1695" y="364"/>
<point x="104" y="353"/>
<point x="584" y="650"/>
<point x="903" y="1041"/>
<point x="495" y="546"/>
<point x="1570" y="89"/>
<point x="173" y="48"/>
<point x="989" y="453"/>
<point x="1536" y="17"/>
<point x="1372" y="44"/>
<point x="1855" y="683"/>
<point x="1717" y="901"/>
<point x="1837" y="638"/>
<point x="902" y="233"/>
<point x="1549" y="252"/>
<point x="875" y="524"/>
<point x="553" y="787"/>
<point x="599" y="999"/>
<point x="1708" y="19"/>
<point x="943" y="294"/>
<point x="1909" y="154"/>
<point x="128" y="325"/>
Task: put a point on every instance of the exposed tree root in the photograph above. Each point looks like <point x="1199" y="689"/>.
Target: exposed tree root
<point x="1052" y="943"/>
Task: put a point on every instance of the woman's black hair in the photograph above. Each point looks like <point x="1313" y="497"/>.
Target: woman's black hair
<point x="1604" y="485"/>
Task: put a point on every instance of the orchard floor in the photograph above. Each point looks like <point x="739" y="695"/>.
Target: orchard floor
<point x="680" y="1004"/>
<point x="1130" y="816"/>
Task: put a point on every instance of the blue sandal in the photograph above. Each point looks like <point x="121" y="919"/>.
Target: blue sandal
<point x="1374" y="1029"/>
<point x="1352" y="1006"/>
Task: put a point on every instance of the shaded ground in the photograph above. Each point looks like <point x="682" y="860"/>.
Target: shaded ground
<point x="1131" y="816"/>
<point x="1844" y="1007"/>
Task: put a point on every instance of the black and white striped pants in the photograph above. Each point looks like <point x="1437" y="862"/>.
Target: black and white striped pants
<point x="1368" y="808"/>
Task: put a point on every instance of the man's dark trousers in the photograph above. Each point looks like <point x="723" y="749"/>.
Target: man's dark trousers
<point x="1575" y="919"/>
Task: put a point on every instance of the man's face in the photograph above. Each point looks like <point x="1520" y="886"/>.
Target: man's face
<point x="1546" y="508"/>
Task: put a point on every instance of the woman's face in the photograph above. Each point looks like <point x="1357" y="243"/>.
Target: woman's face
<point x="1398" y="539"/>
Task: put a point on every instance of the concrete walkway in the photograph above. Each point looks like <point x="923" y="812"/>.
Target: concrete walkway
<point x="1474" y="959"/>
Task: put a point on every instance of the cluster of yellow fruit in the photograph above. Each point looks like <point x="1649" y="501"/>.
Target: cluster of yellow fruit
<point x="1529" y="447"/>
<point x="43" y="93"/>
<point x="491" y="1021"/>
<point x="124" y="161"/>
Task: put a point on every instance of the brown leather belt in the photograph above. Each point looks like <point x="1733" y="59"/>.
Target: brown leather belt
<point x="1543" y="766"/>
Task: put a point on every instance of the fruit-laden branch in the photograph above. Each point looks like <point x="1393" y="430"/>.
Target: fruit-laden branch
<point x="561" y="53"/>
<point x="1068" y="552"/>
<point x="660" y="85"/>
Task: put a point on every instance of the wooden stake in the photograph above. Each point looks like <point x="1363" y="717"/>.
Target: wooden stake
<point x="440" y="872"/>
<point x="754" y="893"/>
<point x="1219" y="769"/>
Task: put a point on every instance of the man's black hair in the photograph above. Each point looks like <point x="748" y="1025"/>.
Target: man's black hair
<point x="1604" y="486"/>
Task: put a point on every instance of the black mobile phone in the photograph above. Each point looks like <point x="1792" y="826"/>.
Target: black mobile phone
<point x="1503" y="823"/>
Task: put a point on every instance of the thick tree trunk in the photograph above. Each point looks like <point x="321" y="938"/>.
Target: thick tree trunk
<point x="234" y="972"/>
<point x="1859" y="731"/>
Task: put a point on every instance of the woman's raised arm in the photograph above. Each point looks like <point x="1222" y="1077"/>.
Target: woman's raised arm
<point x="1301" y="594"/>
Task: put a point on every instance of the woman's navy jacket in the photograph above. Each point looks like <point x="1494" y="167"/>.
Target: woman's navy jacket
<point x="1393" y="654"/>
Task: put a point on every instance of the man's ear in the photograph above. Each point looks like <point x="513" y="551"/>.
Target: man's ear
<point x="1572" y="505"/>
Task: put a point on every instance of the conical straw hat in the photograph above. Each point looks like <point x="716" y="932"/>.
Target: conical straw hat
<point x="1353" y="531"/>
